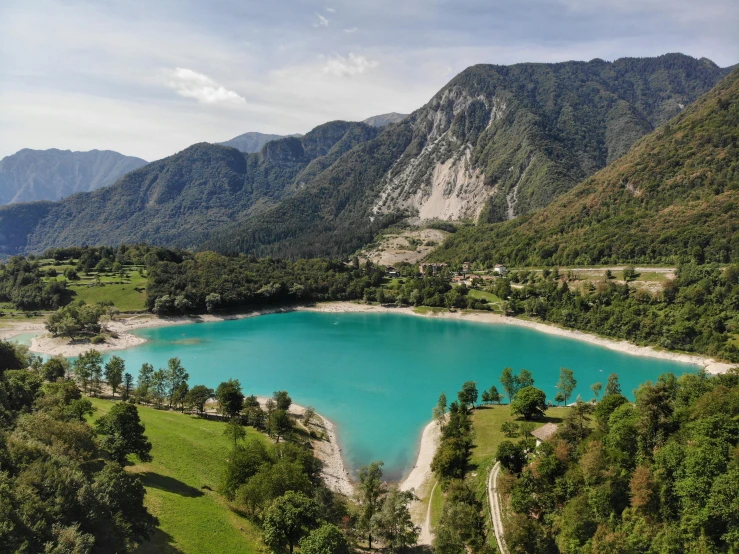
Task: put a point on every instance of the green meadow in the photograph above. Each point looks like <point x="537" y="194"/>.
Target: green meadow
<point x="189" y="455"/>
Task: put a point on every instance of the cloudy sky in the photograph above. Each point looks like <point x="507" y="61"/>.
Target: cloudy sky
<point x="148" y="78"/>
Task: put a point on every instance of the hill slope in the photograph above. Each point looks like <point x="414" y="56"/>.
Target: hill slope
<point x="31" y="175"/>
<point x="179" y="199"/>
<point x="674" y="196"/>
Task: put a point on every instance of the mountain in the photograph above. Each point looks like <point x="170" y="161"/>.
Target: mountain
<point x="250" y="142"/>
<point x="179" y="199"/>
<point x="30" y="175"/>
<point x="674" y="196"/>
<point x="496" y="142"/>
<point x="385" y="119"/>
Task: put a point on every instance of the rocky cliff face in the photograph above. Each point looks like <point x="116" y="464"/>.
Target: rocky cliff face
<point x="498" y="142"/>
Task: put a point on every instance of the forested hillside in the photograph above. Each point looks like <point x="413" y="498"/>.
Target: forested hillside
<point x="660" y="475"/>
<point x="31" y="175"/>
<point x="178" y="200"/>
<point x="673" y="197"/>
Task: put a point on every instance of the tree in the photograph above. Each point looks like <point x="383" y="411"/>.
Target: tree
<point x="439" y="411"/>
<point x="159" y="386"/>
<point x="55" y="368"/>
<point x="86" y="366"/>
<point x="230" y="398"/>
<point x="494" y="395"/>
<point x="114" y="370"/>
<point x="282" y="400"/>
<point x="198" y="396"/>
<point x="559" y="398"/>
<point x="393" y="524"/>
<point x="596" y="388"/>
<point x="525" y="379"/>
<point x="176" y="375"/>
<point x="234" y="431"/>
<point x="308" y="414"/>
<point x="280" y="425"/>
<point x="290" y="518"/>
<point x="509" y="429"/>
<point x="123" y="433"/>
<point x="144" y="382"/>
<point x="567" y="382"/>
<point x="370" y="492"/>
<point x="612" y="386"/>
<point x="327" y="539"/>
<point x="530" y="403"/>
<point x="127" y="385"/>
<point x="511" y="456"/>
<point x="509" y="382"/>
<point x="468" y="394"/>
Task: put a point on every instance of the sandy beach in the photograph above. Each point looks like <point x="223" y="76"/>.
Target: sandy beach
<point x="421" y="472"/>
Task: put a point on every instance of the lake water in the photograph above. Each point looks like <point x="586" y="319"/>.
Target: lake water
<point x="377" y="376"/>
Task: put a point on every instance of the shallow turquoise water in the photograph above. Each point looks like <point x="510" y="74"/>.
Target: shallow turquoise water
<point x="377" y="376"/>
<point x="25" y="338"/>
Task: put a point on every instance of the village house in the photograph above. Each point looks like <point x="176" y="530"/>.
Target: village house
<point x="500" y="270"/>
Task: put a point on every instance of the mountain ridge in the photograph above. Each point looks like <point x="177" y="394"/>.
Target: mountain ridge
<point x="496" y="142"/>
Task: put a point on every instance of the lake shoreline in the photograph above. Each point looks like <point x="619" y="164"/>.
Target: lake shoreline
<point x="334" y="473"/>
<point x="709" y="364"/>
<point x="124" y="325"/>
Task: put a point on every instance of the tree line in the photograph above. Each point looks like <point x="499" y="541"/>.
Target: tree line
<point x="63" y="485"/>
<point x="660" y="474"/>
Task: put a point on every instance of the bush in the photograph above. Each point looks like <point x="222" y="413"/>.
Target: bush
<point x="97" y="339"/>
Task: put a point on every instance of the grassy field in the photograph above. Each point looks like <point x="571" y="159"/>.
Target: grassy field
<point x="189" y="454"/>
<point x="126" y="290"/>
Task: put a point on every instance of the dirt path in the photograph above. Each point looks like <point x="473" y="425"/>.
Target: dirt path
<point x="495" y="513"/>
<point x="426" y="537"/>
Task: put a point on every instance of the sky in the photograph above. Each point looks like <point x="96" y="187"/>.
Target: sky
<point x="149" y="78"/>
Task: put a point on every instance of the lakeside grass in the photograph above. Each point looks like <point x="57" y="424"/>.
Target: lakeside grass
<point x="189" y="454"/>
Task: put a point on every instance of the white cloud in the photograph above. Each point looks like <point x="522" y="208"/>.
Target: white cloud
<point x="322" y="21"/>
<point x="350" y="30"/>
<point x="351" y="65"/>
<point x="330" y="10"/>
<point x="191" y="84"/>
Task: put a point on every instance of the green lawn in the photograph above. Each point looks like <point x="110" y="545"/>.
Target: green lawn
<point x="487" y="421"/>
<point x="189" y="454"/>
<point x="481" y="294"/>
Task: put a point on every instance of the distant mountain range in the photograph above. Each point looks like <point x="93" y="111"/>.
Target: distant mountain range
<point x="385" y="119"/>
<point x="495" y="143"/>
<point x="674" y="196"/>
<point x="250" y="143"/>
<point x="53" y="174"/>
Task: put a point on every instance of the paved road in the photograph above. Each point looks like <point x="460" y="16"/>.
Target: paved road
<point x="495" y="513"/>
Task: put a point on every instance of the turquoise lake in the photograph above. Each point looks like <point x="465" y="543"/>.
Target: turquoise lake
<point x="377" y="376"/>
